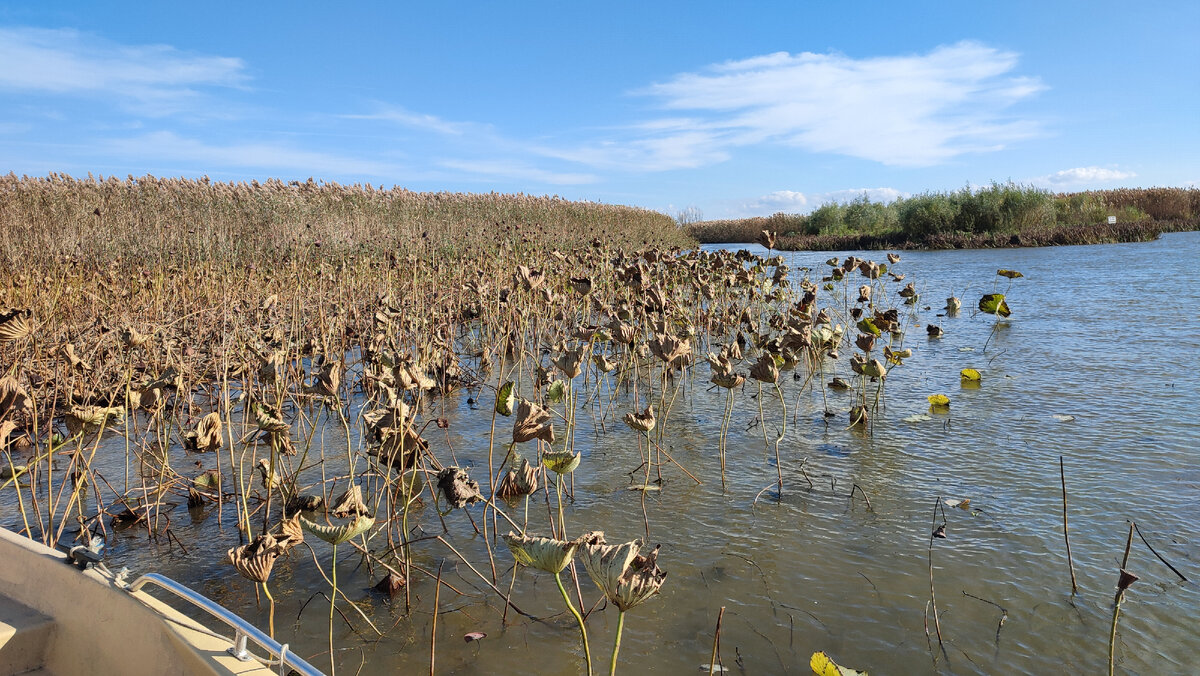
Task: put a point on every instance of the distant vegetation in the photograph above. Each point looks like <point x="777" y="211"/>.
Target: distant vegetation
<point x="1002" y="214"/>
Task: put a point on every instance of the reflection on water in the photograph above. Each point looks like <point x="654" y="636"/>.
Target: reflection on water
<point x="1107" y="335"/>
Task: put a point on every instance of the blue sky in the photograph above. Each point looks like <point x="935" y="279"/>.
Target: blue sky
<point x="733" y="109"/>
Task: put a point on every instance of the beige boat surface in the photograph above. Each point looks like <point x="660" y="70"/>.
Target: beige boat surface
<point x="81" y="622"/>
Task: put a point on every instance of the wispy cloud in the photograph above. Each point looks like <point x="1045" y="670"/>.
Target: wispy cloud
<point x="169" y="147"/>
<point x="915" y="110"/>
<point x="1084" y="176"/>
<point x="795" y="202"/>
<point x="407" y="118"/>
<point x="153" y="80"/>
<point x="509" y="170"/>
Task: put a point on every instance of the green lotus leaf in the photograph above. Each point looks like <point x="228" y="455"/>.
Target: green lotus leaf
<point x="561" y="462"/>
<point x="542" y="553"/>
<point x="336" y="535"/>
<point x="556" y="391"/>
<point x="867" y="325"/>
<point x="506" y="399"/>
<point x="993" y="304"/>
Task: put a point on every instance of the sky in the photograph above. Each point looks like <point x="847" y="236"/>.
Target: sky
<point x="724" y="109"/>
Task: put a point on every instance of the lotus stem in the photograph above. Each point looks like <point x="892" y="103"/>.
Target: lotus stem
<point x="332" y="604"/>
<point x="587" y="652"/>
<point x="612" y="668"/>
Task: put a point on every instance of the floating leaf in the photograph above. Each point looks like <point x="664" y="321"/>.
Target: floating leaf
<point x="1063" y="418"/>
<point x="920" y="417"/>
<point x="939" y="402"/>
<point x="823" y="666"/>
<point x="1011" y="274"/>
<point x="993" y="304"/>
<point x="475" y="635"/>
<point x="970" y="375"/>
<point x="961" y="504"/>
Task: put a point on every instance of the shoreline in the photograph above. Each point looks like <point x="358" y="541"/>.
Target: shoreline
<point x="1102" y="233"/>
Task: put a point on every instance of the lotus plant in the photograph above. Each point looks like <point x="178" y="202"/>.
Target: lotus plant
<point x="626" y="577"/>
<point x="551" y="555"/>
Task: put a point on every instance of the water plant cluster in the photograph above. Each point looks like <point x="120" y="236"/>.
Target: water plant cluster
<point x="226" y="385"/>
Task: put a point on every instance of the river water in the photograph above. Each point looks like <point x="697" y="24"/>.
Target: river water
<point x="1097" y="365"/>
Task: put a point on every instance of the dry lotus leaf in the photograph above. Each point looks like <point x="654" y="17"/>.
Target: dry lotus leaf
<point x="268" y="421"/>
<point x="68" y="351"/>
<point x="569" y="362"/>
<point x="953" y="305"/>
<point x="255" y="560"/>
<point x="518" y="481"/>
<point x="642" y="422"/>
<point x="350" y="504"/>
<point x="290" y="533"/>
<point x="15" y="324"/>
<point x="532" y="422"/>
<point x="391" y="584"/>
<point x="458" y="487"/>
<point x="669" y="348"/>
<point x="603" y="363"/>
<point x="627" y="578"/>
<point x="85" y="418"/>
<point x="207" y="435"/>
<point x="542" y="553"/>
<point x="765" y="370"/>
<point x="14" y="401"/>
<point x="327" y="381"/>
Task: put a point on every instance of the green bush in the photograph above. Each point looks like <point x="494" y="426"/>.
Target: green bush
<point x="928" y="214"/>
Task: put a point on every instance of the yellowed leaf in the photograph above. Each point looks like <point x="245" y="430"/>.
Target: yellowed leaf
<point x="823" y="666"/>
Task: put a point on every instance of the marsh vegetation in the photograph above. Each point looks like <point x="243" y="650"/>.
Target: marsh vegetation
<point x="438" y="430"/>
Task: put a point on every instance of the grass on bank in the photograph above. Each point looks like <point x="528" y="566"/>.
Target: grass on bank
<point x="1002" y="214"/>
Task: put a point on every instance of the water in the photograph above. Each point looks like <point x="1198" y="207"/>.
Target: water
<point x="1108" y="335"/>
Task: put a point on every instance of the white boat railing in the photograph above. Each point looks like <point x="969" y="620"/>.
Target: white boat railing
<point x="243" y="630"/>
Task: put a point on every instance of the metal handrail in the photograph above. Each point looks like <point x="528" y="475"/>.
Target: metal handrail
<point x="243" y="629"/>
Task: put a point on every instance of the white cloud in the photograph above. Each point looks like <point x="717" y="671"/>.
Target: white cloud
<point x="915" y="110"/>
<point x="1082" y="176"/>
<point x="169" y="147"/>
<point x="513" y="170"/>
<point x="151" y="79"/>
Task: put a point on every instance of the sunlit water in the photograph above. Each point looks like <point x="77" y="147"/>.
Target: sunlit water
<point x="1108" y="335"/>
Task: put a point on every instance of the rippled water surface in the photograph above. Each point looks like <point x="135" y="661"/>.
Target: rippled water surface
<point x="1097" y="364"/>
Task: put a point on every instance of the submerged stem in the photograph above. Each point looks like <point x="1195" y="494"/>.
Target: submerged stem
<point x="587" y="652"/>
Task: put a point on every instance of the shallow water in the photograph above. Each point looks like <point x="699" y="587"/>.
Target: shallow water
<point x="1107" y="334"/>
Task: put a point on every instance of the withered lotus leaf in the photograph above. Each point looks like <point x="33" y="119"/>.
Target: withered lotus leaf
<point x="458" y="487"/>
<point x="519" y="481"/>
<point x="642" y="422"/>
<point x="255" y="560"/>
<point x="532" y="422"/>
<point x="15" y="324"/>
<point x="626" y="578"/>
<point x="350" y="504"/>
